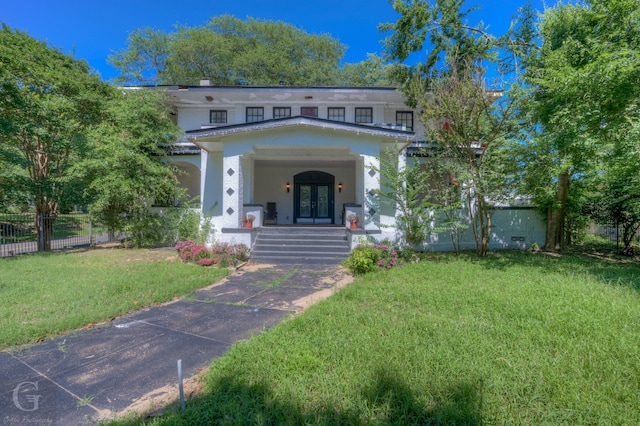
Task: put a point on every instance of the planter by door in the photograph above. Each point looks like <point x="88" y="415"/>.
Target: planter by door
<point x="354" y="225"/>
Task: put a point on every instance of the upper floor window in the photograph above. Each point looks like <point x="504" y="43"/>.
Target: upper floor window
<point x="364" y="115"/>
<point x="406" y="118"/>
<point x="217" y="117"/>
<point x="335" y="113"/>
<point x="309" y="111"/>
<point x="255" y="114"/>
<point x="281" y="112"/>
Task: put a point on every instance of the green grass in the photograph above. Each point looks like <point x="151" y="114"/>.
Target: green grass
<point x="47" y="294"/>
<point x="515" y="338"/>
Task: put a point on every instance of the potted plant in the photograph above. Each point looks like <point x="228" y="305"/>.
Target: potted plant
<point x="248" y="220"/>
<point x="353" y="219"/>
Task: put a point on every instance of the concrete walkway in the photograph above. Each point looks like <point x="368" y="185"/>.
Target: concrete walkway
<point x="130" y="364"/>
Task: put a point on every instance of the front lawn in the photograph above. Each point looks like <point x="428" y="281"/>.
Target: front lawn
<point x="44" y="295"/>
<point x="515" y="338"/>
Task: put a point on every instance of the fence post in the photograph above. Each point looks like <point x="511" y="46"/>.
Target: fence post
<point x="41" y="233"/>
<point x="91" y="242"/>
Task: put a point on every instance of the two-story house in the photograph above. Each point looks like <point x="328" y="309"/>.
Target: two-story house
<point x="293" y="155"/>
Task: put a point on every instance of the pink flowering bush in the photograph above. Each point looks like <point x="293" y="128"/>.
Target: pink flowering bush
<point x="229" y="254"/>
<point x="188" y="251"/>
<point x="371" y="257"/>
<point x="221" y="254"/>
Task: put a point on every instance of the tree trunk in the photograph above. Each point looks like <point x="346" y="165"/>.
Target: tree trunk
<point x="628" y="232"/>
<point x="555" y="238"/>
<point x="46" y="212"/>
<point x="485" y="226"/>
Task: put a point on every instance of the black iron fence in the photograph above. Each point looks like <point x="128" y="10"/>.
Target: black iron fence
<point x="612" y="235"/>
<point x="29" y="233"/>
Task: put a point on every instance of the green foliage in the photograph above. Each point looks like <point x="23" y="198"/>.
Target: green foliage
<point x="373" y="71"/>
<point x="188" y="225"/>
<point x="466" y="124"/>
<point x="230" y="51"/>
<point x="126" y="173"/>
<point x="406" y="188"/>
<point x="146" y="228"/>
<point x="220" y="254"/>
<point x="583" y="88"/>
<point x="367" y="258"/>
<point x="617" y="199"/>
<point x="48" y="103"/>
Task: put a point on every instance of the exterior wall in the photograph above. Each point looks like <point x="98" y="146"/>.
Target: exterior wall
<point x="241" y="170"/>
<point x="190" y="179"/>
<point x="512" y="228"/>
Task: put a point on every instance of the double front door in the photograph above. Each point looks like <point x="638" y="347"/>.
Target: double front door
<point x="314" y="200"/>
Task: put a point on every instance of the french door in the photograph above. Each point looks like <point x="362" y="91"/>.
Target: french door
<point x="314" y="201"/>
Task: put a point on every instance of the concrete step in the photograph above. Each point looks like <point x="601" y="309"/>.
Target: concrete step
<point x="300" y="245"/>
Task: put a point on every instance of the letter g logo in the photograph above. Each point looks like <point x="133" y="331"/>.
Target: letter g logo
<point x="31" y="399"/>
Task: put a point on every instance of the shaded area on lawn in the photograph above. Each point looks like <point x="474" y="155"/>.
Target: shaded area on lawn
<point x="608" y="268"/>
<point x="230" y="400"/>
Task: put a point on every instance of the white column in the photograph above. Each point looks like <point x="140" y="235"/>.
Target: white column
<point x="247" y="179"/>
<point x="371" y="178"/>
<point x="232" y="192"/>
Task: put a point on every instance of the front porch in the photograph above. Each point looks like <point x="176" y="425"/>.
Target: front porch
<point x="299" y="170"/>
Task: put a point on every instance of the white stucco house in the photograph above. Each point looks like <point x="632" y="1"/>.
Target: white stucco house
<point x="303" y="156"/>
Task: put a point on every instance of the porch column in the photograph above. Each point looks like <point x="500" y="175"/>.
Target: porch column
<point x="232" y="195"/>
<point x="371" y="185"/>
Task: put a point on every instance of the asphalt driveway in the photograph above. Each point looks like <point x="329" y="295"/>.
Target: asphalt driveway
<point x="130" y="364"/>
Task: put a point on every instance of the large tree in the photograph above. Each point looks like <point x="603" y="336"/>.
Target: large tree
<point x="616" y="200"/>
<point x="584" y="83"/>
<point x="127" y="172"/>
<point x="466" y="124"/>
<point x="48" y="101"/>
<point x="228" y="50"/>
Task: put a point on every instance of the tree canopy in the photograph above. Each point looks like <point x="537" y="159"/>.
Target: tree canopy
<point x="65" y="135"/>
<point x="230" y="51"/>
<point x="572" y="74"/>
<point x="583" y="90"/>
<point x="466" y="124"/>
<point x="48" y="100"/>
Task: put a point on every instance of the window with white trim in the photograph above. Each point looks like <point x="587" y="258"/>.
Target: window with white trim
<point x="336" y="113"/>
<point x="255" y="114"/>
<point x="405" y="118"/>
<point x="364" y="115"/>
<point x="281" y="112"/>
<point x="217" y="116"/>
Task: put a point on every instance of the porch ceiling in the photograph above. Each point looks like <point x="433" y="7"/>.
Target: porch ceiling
<point x="276" y="152"/>
<point x="305" y="163"/>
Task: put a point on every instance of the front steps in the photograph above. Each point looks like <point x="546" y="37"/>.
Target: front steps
<point x="300" y="245"/>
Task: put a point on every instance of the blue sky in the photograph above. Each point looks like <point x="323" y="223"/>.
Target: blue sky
<point x="93" y="30"/>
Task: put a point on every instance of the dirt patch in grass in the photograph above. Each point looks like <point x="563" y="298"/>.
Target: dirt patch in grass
<point x="158" y="401"/>
<point x="132" y="255"/>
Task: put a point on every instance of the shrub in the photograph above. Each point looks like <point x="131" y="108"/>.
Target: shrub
<point x="371" y="257"/>
<point x="221" y="254"/>
<point x="188" y="251"/>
